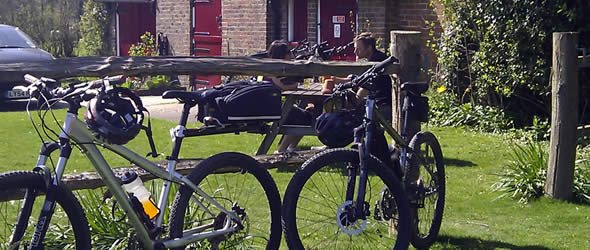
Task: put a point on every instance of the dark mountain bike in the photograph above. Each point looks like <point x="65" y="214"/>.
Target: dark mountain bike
<point x="320" y="209"/>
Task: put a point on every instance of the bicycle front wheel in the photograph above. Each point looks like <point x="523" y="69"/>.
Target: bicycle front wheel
<point x="68" y="227"/>
<point x="424" y="180"/>
<point x="316" y="212"/>
<point x="241" y="185"/>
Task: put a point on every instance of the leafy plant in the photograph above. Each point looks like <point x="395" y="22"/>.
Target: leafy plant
<point x="446" y="110"/>
<point x="526" y="173"/>
<point x="147" y="47"/>
<point x="93" y="26"/>
<point x="498" y="52"/>
<point x="108" y="224"/>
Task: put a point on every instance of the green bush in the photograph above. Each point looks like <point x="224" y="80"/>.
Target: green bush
<point x="147" y="47"/>
<point x="526" y="173"/>
<point x="93" y="26"/>
<point x="446" y="110"/>
<point x="498" y="52"/>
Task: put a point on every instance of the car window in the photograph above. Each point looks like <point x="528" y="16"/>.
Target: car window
<point x="15" y="38"/>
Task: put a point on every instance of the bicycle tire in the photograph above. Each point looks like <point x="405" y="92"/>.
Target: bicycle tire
<point x="317" y="226"/>
<point x="12" y="183"/>
<point x="217" y="176"/>
<point x="427" y="210"/>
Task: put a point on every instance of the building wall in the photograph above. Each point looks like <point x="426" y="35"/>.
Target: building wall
<point x="372" y="16"/>
<point x="416" y="15"/>
<point x="173" y="19"/>
<point x="245" y="26"/>
<point x="312" y="20"/>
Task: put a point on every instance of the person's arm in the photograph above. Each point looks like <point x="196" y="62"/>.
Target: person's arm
<point x="277" y="81"/>
<point x="361" y="93"/>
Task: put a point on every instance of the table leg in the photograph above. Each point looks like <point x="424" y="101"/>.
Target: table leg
<point x="274" y="129"/>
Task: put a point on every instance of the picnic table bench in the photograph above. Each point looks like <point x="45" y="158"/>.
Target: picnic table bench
<point x="311" y="94"/>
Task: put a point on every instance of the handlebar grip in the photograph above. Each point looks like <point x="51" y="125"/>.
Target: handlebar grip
<point x="385" y="63"/>
<point x="31" y="79"/>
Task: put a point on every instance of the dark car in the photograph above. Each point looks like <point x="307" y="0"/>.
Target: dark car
<point x="17" y="47"/>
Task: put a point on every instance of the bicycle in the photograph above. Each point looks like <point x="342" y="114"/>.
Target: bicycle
<point x="386" y="204"/>
<point x="219" y="204"/>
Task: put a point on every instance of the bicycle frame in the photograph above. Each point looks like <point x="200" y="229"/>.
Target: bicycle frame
<point x="366" y="131"/>
<point x="76" y="130"/>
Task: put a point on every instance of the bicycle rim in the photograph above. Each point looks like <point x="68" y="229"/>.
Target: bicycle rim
<point x="315" y="206"/>
<point x="426" y="184"/>
<point x="241" y="188"/>
<point x="68" y="227"/>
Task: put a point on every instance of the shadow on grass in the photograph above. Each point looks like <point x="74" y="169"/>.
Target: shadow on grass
<point x="475" y="243"/>
<point x="458" y="162"/>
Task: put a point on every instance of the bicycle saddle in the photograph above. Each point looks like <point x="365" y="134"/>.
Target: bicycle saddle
<point x="185" y="96"/>
<point x="416" y="88"/>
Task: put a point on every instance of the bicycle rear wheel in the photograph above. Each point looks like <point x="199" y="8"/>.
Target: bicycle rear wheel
<point x="240" y="184"/>
<point x="68" y="228"/>
<point x="424" y="180"/>
<point x="315" y="206"/>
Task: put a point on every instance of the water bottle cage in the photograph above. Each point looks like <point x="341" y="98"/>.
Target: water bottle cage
<point x="138" y="207"/>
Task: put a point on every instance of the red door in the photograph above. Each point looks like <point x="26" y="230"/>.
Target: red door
<point x="300" y="20"/>
<point x="336" y="18"/>
<point x="207" y="35"/>
<point x="135" y="19"/>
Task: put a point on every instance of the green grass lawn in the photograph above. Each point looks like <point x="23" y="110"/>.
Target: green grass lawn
<point x="474" y="218"/>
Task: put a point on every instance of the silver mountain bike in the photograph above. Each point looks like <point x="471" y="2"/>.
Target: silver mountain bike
<point x="227" y="201"/>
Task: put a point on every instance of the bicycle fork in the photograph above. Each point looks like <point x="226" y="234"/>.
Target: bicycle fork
<point x="51" y="184"/>
<point x="364" y="147"/>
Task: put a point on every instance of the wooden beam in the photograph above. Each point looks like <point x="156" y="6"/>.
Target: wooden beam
<point x="564" y="116"/>
<point x="131" y="66"/>
<point x="91" y="180"/>
<point x="406" y="46"/>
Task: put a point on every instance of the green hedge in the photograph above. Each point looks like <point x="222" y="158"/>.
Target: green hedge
<point x="498" y="52"/>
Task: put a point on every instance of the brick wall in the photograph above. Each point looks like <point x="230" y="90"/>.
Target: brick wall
<point x="173" y="18"/>
<point x="372" y="17"/>
<point x="413" y="15"/>
<point x="312" y="20"/>
<point x="245" y="26"/>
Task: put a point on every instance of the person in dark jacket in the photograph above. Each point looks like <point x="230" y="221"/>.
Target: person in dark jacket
<point x="365" y="48"/>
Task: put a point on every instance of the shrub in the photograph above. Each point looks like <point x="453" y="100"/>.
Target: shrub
<point x="498" y="52"/>
<point x="93" y="26"/>
<point x="446" y="110"/>
<point x="526" y="173"/>
<point x="147" y="47"/>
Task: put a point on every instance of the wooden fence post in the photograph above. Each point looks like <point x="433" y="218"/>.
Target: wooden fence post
<point x="405" y="45"/>
<point x="564" y="116"/>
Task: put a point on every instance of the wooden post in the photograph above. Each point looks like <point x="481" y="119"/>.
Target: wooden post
<point x="564" y="116"/>
<point x="405" y="45"/>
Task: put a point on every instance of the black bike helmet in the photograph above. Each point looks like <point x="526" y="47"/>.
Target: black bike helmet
<point x="336" y="129"/>
<point x="116" y="115"/>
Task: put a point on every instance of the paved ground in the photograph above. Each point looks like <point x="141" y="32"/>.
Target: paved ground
<point x="167" y="109"/>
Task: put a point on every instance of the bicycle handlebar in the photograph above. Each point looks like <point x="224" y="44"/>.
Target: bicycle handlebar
<point x="37" y="85"/>
<point x="367" y="76"/>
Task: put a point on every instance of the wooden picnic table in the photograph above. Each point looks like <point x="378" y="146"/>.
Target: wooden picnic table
<point x="311" y="94"/>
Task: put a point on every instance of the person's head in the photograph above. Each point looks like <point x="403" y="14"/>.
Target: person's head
<point x="279" y="49"/>
<point x="364" y="45"/>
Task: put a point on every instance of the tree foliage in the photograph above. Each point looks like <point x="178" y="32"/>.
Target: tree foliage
<point x="498" y="52"/>
<point x="52" y="23"/>
<point x="93" y="26"/>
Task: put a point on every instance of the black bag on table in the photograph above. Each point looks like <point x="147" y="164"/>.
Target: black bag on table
<point x="240" y="102"/>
